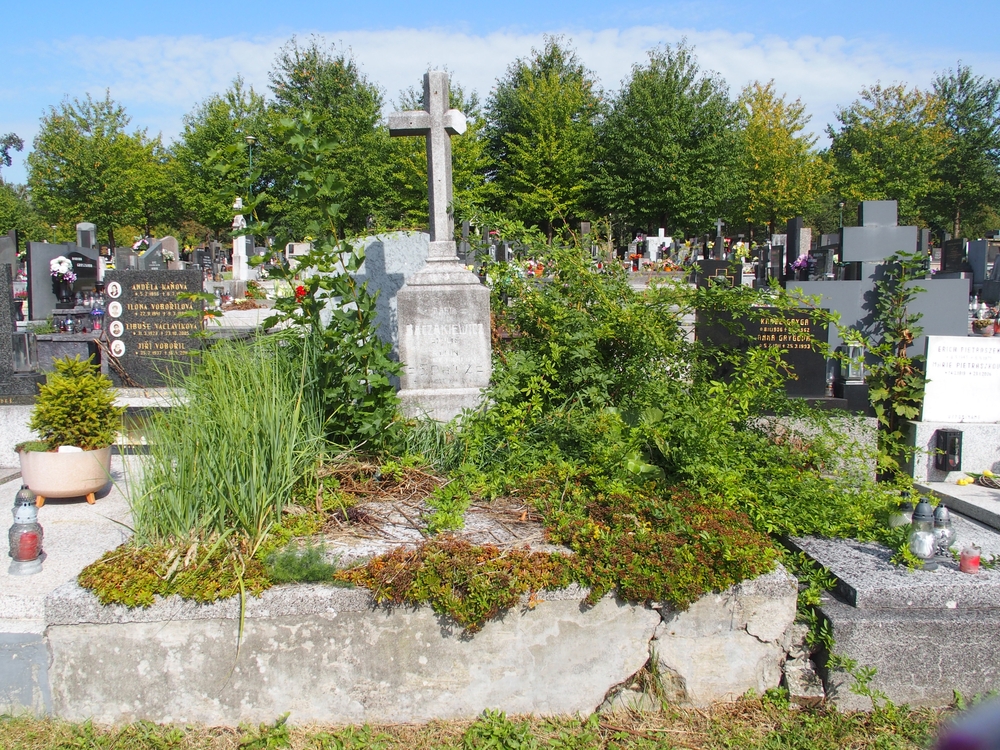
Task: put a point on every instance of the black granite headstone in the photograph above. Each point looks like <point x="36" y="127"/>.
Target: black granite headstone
<point x="953" y="256"/>
<point x="793" y="239"/>
<point x="42" y="299"/>
<point x="792" y="332"/>
<point x="719" y="271"/>
<point x="15" y="388"/>
<point x="776" y="263"/>
<point x="203" y="259"/>
<point x="86" y="272"/>
<point x="148" y="338"/>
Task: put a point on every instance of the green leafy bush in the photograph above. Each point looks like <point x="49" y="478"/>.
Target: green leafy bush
<point x="494" y="730"/>
<point x="331" y="315"/>
<point x="76" y="406"/>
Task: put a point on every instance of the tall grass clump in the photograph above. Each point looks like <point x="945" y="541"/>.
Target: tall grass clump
<point x="226" y="459"/>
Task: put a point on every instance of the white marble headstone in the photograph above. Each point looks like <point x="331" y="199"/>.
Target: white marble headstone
<point x="963" y="379"/>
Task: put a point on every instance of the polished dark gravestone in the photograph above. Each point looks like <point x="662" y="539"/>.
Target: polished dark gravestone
<point x="718" y="271"/>
<point x="86" y="270"/>
<point x="149" y="337"/>
<point x="42" y="299"/>
<point x="15" y="387"/>
<point x="791" y="331"/>
<point x="953" y="256"/>
<point x="9" y="245"/>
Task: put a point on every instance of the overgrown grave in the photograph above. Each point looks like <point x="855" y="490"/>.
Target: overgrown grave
<point x="605" y="431"/>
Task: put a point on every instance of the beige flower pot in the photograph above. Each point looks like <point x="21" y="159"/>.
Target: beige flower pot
<point x="66" y="474"/>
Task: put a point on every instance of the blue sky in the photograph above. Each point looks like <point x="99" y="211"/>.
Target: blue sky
<point x="160" y="61"/>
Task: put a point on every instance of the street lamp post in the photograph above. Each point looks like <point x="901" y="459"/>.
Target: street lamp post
<point x="250" y="141"/>
<point x="842" y="214"/>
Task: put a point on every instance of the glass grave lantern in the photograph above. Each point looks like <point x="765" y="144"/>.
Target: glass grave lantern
<point x="948" y="456"/>
<point x="922" y="543"/>
<point x="25" y="352"/>
<point x="854" y="369"/>
<point x="944" y="533"/>
<point x="25" y="535"/>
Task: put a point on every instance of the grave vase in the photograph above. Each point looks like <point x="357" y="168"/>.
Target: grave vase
<point x="63" y="290"/>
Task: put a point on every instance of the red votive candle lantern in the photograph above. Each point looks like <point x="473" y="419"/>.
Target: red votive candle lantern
<point x="25" y="536"/>
<point x="968" y="561"/>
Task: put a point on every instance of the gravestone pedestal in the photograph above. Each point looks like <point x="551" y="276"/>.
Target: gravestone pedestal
<point x="443" y="314"/>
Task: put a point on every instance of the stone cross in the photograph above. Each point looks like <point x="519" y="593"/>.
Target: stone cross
<point x="719" y="224"/>
<point x="437" y="123"/>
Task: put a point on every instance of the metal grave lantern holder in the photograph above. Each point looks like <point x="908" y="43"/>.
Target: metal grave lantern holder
<point x="948" y="454"/>
<point x="855" y="366"/>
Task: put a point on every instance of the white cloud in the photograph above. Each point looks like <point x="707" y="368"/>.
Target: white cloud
<point x="161" y="78"/>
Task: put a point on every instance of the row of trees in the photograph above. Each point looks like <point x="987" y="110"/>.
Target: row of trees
<point x="670" y="149"/>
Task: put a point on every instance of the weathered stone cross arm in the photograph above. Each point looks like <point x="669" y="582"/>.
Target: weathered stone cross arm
<point x="437" y="123"/>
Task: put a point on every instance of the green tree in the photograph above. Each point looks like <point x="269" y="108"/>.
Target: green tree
<point x="784" y="176"/>
<point x="669" y="148"/>
<point x="9" y="142"/>
<point x="329" y="84"/>
<point x="222" y="120"/>
<point x="16" y="212"/>
<point x="540" y="136"/>
<point x="969" y="172"/>
<point x="887" y="145"/>
<point x="469" y="161"/>
<point x="86" y="167"/>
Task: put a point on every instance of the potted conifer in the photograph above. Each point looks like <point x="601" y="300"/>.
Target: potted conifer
<point x="77" y="422"/>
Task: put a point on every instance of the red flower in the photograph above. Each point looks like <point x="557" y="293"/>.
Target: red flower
<point x="300" y="293"/>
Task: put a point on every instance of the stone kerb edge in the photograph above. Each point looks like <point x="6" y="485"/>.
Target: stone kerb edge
<point x="72" y="605"/>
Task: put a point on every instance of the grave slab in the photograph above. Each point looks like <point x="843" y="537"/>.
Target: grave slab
<point x="867" y="580"/>
<point x="76" y="534"/>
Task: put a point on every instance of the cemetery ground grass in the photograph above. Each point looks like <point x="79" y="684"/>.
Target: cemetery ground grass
<point x="767" y="723"/>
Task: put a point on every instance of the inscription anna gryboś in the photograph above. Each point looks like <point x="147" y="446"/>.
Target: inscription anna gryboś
<point x="778" y="334"/>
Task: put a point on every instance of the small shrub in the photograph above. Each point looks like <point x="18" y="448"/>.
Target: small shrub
<point x="302" y="565"/>
<point x="494" y="730"/>
<point x="76" y="406"/>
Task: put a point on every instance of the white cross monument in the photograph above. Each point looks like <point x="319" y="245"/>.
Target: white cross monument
<point x="241" y="270"/>
<point x="443" y="311"/>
